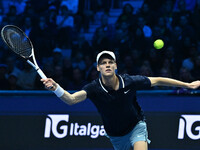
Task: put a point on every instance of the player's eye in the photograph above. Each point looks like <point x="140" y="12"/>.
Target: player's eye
<point x="103" y="63"/>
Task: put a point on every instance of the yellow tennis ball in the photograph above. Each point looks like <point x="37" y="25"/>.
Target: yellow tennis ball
<point x="158" y="44"/>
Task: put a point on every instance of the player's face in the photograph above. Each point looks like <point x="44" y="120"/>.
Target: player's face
<point x="107" y="67"/>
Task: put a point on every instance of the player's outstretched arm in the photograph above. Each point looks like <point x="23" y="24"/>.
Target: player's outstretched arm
<point x="160" y="81"/>
<point x="65" y="96"/>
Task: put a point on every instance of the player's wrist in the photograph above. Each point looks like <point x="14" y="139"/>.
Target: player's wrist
<point x="59" y="91"/>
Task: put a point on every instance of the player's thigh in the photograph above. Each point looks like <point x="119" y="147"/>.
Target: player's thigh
<point x="140" y="145"/>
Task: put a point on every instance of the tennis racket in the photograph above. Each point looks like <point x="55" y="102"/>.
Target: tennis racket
<point x="19" y="43"/>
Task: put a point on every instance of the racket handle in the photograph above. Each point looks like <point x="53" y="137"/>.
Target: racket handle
<point x="42" y="75"/>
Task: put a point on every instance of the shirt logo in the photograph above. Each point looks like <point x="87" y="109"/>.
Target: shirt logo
<point x="125" y="92"/>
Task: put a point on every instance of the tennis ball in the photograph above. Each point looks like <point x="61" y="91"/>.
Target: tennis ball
<point x="158" y="44"/>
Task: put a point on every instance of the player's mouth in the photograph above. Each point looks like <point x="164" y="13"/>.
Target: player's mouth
<point x="108" y="70"/>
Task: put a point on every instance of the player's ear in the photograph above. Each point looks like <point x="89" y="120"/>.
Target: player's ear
<point x="115" y="65"/>
<point x="97" y="67"/>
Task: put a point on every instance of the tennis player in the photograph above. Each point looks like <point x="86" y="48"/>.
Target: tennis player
<point x="114" y="95"/>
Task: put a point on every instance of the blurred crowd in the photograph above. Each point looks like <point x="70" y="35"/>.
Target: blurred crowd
<point x="58" y="29"/>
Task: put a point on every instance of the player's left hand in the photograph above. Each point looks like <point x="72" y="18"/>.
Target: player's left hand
<point x="194" y="85"/>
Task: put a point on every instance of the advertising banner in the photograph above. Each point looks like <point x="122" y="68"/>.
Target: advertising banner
<point x="33" y="122"/>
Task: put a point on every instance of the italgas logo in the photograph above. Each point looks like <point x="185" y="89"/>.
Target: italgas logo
<point x="188" y="124"/>
<point x="70" y="129"/>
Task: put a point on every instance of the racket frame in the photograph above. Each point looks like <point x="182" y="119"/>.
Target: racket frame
<point x="34" y="63"/>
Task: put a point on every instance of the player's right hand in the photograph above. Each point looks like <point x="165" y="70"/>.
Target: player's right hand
<point x="49" y="84"/>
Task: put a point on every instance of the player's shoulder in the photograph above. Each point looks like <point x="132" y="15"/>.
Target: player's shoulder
<point x="136" y="81"/>
<point x="95" y="82"/>
<point x="92" y="84"/>
<point x="129" y="78"/>
<point x="91" y="88"/>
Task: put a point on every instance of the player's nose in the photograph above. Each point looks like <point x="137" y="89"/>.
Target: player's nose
<point x="107" y="65"/>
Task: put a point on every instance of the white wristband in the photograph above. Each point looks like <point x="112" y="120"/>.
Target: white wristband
<point x="59" y="91"/>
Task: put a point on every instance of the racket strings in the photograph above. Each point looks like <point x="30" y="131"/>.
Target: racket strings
<point x="18" y="42"/>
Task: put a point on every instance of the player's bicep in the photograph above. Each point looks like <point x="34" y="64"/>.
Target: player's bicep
<point x="79" y="96"/>
<point x="154" y="81"/>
